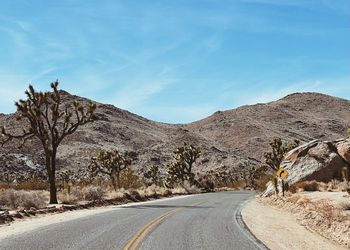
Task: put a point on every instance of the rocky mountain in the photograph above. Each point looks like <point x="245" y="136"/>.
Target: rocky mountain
<point x="233" y="139"/>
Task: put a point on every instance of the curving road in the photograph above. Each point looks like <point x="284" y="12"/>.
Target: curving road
<point x="205" y="221"/>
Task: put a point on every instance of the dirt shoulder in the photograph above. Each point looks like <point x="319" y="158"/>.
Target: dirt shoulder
<point x="280" y="230"/>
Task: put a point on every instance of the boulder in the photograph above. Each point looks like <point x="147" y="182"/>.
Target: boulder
<point x="316" y="160"/>
<point x="343" y="147"/>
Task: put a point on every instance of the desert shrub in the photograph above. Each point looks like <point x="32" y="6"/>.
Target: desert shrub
<point x="307" y="186"/>
<point x="178" y="190"/>
<point x="343" y="186"/>
<point x="136" y="195"/>
<point x="167" y="193"/>
<point x="88" y="193"/>
<point x="293" y="189"/>
<point x="345" y="174"/>
<point x="328" y="210"/>
<point x="345" y="206"/>
<point x="34" y="184"/>
<point x="205" y="183"/>
<point x="77" y="191"/>
<point x="191" y="189"/>
<point x="294" y="198"/>
<point x="68" y="198"/>
<point x="21" y="199"/>
<point x="129" y="179"/>
<point x="303" y="201"/>
<point x="236" y="184"/>
<point x="116" y="195"/>
<point x="262" y="182"/>
<point x="93" y="193"/>
<point x="333" y="185"/>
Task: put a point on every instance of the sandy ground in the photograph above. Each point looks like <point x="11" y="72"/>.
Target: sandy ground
<point x="25" y="225"/>
<point x="280" y="230"/>
<point x="335" y="198"/>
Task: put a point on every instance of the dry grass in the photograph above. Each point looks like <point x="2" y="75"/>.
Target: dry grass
<point x="345" y="206"/>
<point x="262" y="182"/>
<point x="21" y="199"/>
<point x="329" y="219"/>
<point x="130" y="180"/>
<point x="68" y="199"/>
<point x="89" y="193"/>
<point x="332" y="186"/>
<point x="35" y="184"/>
<point x="306" y="186"/>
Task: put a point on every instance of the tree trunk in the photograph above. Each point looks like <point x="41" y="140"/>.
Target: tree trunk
<point x="118" y="180"/>
<point x="275" y="184"/>
<point x="51" y="169"/>
<point x="8" y="180"/>
<point x="113" y="182"/>
<point x="53" y="191"/>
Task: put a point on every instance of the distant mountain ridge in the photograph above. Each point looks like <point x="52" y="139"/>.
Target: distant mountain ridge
<point x="232" y="139"/>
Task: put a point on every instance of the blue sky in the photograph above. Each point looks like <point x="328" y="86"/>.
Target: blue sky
<point x="175" y="61"/>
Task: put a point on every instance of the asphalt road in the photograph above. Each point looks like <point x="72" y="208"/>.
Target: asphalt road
<point x="205" y="221"/>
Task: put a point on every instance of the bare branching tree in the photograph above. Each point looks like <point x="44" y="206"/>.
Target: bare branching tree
<point x="48" y="121"/>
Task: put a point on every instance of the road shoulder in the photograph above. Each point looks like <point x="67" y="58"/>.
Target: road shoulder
<point x="33" y="223"/>
<point x="280" y="230"/>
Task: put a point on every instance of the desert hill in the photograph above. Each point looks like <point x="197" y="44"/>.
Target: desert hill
<point x="232" y="139"/>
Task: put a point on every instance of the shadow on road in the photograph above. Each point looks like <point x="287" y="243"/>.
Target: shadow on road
<point x="167" y="206"/>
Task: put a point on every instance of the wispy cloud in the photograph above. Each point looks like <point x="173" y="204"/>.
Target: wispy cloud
<point x="326" y="86"/>
<point x="135" y="94"/>
<point x="176" y="58"/>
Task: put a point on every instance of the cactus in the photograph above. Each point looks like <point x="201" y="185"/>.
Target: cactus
<point x="180" y="168"/>
<point x="111" y="164"/>
<point x="48" y="121"/>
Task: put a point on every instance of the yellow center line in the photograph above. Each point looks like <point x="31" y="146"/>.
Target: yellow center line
<point x="135" y="241"/>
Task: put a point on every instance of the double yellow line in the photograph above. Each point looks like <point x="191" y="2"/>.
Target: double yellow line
<point x="135" y="241"/>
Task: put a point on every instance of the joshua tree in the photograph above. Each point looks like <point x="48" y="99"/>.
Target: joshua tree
<point x="153" y="174"/>
<point x="180" y="169"/>
<point x="129" y="179"/>
<point x="111" y="164"/>
<point x="279" y="149"/>
<point x="66" y="176"/>
<point x="48" y="121"/>
<point x="274" y="158"/>
<point x="253" y="174"/>
<point x="7" y="177"/>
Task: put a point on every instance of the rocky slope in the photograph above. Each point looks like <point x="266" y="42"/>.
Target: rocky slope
<point x="232" y="139"/>
<point x="316" y="160"/>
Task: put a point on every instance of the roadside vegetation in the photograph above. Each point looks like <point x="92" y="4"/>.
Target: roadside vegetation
<point x="49" y="122"/>
<point x="321" y="207"/>
<point x="112" y="178"/>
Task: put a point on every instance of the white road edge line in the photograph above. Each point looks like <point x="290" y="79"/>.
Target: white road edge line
<point x="245" y="229"/>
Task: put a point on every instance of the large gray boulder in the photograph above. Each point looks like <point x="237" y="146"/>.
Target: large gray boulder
<point x="316" y="160"/>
